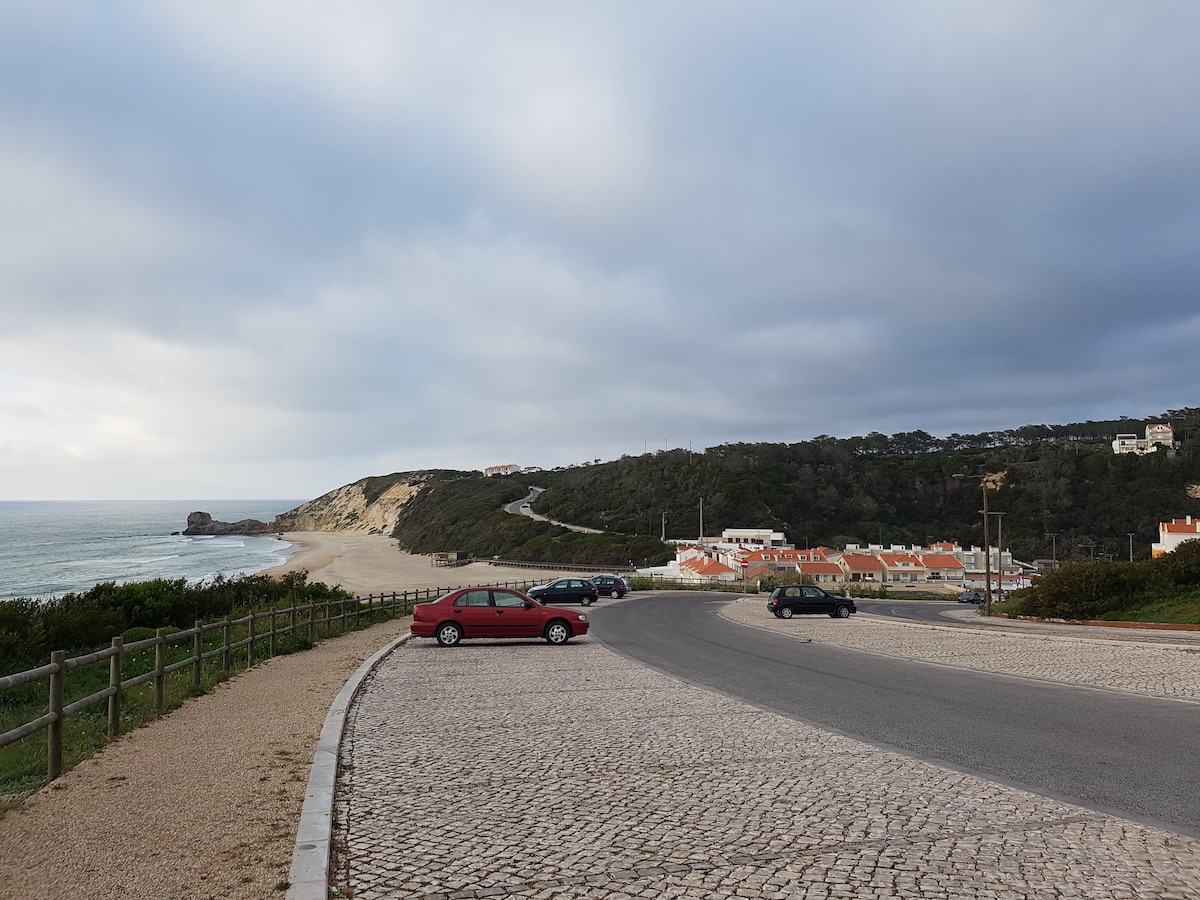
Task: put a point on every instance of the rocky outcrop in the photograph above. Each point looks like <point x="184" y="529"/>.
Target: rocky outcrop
<point x="202" y="524"/>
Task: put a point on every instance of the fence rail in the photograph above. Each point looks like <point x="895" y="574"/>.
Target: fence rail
<point x="248" y="638"/>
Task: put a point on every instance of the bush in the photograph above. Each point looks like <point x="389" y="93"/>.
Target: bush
<point x="81" y="622"/>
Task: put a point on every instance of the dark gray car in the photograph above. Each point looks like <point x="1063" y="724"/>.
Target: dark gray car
<point x="808" y="599"/>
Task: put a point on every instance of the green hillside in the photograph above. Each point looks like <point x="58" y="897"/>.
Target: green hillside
<point x="899" y="489"/>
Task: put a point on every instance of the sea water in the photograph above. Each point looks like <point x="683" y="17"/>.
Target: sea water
<point x="49" y="548"/>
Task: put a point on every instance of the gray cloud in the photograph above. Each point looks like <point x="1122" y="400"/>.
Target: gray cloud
<point x="264" y="249"/>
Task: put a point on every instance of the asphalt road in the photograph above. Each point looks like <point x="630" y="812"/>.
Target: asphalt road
<point x="1133" y="756"/>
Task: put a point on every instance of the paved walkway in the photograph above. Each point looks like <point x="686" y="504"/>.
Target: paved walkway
<point x="530" y="771"/>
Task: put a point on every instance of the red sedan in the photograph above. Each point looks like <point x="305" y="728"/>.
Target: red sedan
<point x="493" y="612"/>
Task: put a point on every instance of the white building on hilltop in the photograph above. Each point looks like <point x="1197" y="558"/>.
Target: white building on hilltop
<point x="1156" y="436"/>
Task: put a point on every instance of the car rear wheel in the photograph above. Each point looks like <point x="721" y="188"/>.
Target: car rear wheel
<point x="557" y="633"/>
<point x="586" y="601"/>
<point x="449" y="635"/>
<point x="842" y="612"/>
<point x="616" y="595"/>
<point x="785" y="613"/>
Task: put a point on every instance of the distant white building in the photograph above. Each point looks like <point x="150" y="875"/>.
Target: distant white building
<point x="507" y="469"/>
<point x="1157" y="435"/>
<point x="755" y="538"/>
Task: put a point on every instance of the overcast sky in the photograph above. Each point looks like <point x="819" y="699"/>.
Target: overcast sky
<point x="265" y="248"/>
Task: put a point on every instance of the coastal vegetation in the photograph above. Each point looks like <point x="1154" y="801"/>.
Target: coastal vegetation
<point x="1063" y="493"/>
<point x="1164" y="590"/>
<point x="86" y="622"/>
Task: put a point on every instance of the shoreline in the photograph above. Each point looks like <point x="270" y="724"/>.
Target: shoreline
<point x="374" y="564"/>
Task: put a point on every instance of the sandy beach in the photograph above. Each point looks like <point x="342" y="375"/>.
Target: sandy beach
<point x="374" y="564"/>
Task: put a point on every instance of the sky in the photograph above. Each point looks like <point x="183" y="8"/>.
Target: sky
<point x="266" y="248"/>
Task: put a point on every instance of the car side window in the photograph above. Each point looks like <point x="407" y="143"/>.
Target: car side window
<point x="508" y="599"/>
<point x="812" y="592"/>
<point x="473" y="598"/>
<point x="792" y="592"/>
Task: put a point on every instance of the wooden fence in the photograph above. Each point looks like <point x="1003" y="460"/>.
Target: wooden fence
<point x="247" y="639"/>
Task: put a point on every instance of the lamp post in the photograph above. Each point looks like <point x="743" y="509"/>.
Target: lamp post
<point x="999" y="555"/>
<point x="1130" y="534"/>
<point x="987" y="549"/>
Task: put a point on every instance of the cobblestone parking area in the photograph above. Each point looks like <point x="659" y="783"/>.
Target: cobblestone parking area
<point x="530" y="771"/>
<point x="1158" y="670"/>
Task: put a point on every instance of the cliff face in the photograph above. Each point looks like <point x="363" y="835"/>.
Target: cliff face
<point x="370" y="506"/>
<point x="361" y="507"/>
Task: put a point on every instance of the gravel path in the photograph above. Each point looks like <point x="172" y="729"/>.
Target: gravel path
<point x="202" y="803"/>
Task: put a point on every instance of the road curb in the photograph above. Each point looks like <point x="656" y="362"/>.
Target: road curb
<point x="309" y="876"/>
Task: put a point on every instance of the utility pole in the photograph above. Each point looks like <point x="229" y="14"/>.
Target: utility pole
<point x="1053" y="535"/>
<point x="1000" y="553"/>
<point x="1131" y="534"/>
<point x="701" y="541"/>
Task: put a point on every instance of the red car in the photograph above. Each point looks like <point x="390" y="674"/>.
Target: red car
<point x="494" y="612"/>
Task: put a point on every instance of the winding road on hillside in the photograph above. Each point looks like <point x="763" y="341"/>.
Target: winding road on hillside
<point x="1114" y="752"/>
<point x="523" y="507"/>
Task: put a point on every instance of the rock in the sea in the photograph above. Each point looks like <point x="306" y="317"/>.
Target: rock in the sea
<point x="201" y="523"/>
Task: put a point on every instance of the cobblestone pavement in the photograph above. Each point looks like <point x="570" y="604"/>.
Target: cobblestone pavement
<point x="1171" y="671"/>
<point x="521" y="770"/>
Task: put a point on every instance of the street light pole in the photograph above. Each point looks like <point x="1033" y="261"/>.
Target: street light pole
<point x="987" y="552"/>
<point x="987" y="549"/>
<point x="999" y="554"/>
<point x="1131" y="534"/>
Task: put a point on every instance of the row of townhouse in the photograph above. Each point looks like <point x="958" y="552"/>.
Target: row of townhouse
<point x="944" y="563"/>
<point x="752" y="553"/>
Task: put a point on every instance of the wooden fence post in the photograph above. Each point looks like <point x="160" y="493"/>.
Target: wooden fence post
<point x="272" y="632"/>
<point x="114" y="684"/>
<point x="250" y="641"/>
<point x="227" y="630"/>
<point x="160" y="664"/>
<point x="54" y="754"/>
<point x="197" y="654"/>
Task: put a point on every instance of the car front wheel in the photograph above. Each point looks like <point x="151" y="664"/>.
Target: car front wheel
<point x="557" y="633"/>
<point x="842" y="612"/>
<point x="449" y="635"/>
<point x="785" y="613"/>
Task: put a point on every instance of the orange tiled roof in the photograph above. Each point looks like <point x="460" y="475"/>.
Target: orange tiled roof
<point x="942" y="561"/>
<point x="1190" y="525"/>
<point x="861" y="562"/>
<point x="706" y="566"/>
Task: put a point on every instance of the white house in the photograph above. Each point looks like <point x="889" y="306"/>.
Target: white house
<point x="507" y="469"/>
<point x="1172" y="534"/>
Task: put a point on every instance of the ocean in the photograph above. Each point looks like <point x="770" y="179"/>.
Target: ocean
<point x="50" y="548"/>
